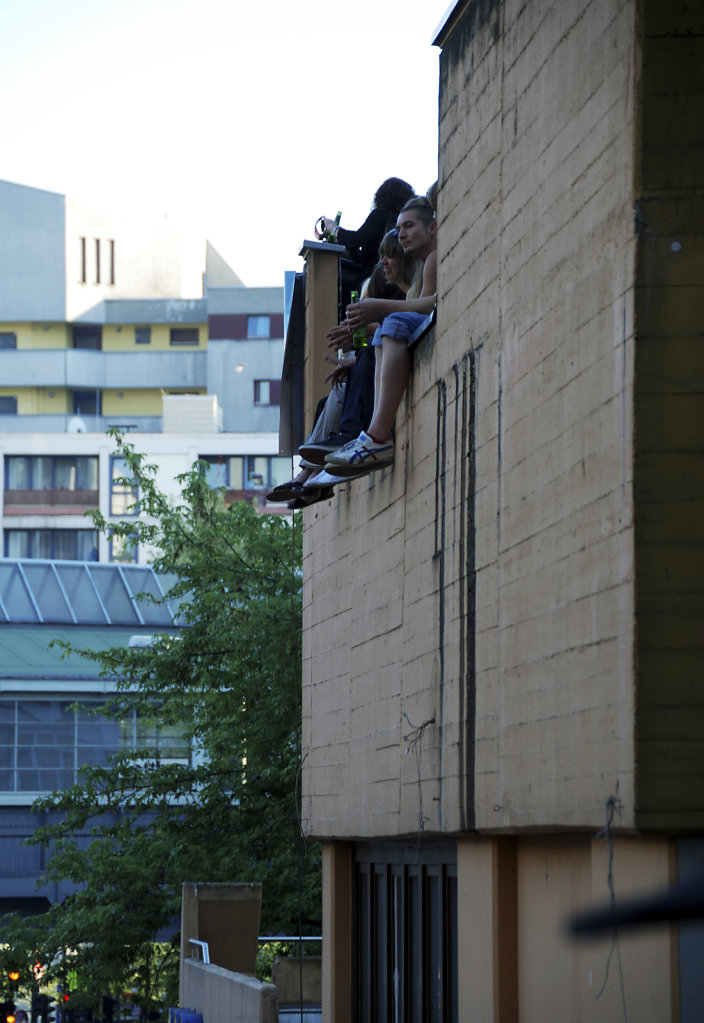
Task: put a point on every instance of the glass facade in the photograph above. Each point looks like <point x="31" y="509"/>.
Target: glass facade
<point x="85" y="594"/>
<point x="44" y="742"/>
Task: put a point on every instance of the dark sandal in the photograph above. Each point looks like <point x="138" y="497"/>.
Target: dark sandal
<point x="312" y="496"/>
<point x="285" y="492"/>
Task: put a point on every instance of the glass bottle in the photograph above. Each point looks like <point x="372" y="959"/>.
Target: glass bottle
<point x="359" y="334"/>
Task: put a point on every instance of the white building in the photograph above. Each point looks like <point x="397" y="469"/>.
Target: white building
<point x="95" y="332"/>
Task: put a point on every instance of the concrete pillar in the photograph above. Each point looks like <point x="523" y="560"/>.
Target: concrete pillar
<point x="338" y="862"/>
<point x="321" y="277"/>
<point x="226" y="916"/>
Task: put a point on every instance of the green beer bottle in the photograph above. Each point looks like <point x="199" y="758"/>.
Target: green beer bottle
<point x="330" y="237"/>
<point x="359" y="334"/>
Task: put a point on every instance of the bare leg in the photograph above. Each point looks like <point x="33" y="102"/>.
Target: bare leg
<point x="378" y="353"/>
<point x="395" y="371"/>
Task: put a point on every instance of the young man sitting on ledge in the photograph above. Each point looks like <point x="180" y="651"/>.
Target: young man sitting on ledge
<point x="374" y="448"/>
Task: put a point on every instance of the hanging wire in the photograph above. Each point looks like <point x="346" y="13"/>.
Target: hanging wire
<point x="414" y="746"/>
<point x="613" y="810"/>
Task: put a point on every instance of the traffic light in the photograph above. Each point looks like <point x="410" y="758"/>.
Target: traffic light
<point x="42" y="1009"/>
<point x="7" y="1012"/>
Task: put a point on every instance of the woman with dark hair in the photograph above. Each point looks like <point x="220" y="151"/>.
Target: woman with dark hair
<point x="352" y="403"/>
<point x="363" y="244"/>
<point x="394" y="276"/>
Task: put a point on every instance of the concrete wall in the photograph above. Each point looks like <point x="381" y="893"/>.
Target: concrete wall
<point x="192" y="413"/>
<point x="226" y="997"/>
<point x="518" y="960"/>
<point x="483" y="589"/>
<point x="233" y="366"/>
<point x="502" y="633"/>
<point x="145" y="253"/>
<point x="32" y="259"/>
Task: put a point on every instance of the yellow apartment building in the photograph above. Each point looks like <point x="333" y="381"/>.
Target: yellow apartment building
<point x="95" y="332"/>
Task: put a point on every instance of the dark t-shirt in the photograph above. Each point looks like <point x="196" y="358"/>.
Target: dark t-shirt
<point x="363" y="244"/>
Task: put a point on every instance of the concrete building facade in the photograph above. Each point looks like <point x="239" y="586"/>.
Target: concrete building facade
<point x="502" y="703"/>
<point x="94" y="334"/>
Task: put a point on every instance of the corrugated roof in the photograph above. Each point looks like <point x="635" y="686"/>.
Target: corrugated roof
<point x="82" y="593"/>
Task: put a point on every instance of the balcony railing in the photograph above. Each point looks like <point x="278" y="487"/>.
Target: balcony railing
<point x="50" y="502"/>
<point x="90" y="370"/>
<point x="56" y="423"/>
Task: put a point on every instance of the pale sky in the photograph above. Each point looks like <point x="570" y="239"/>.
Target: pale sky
<point x="242" y="120"/>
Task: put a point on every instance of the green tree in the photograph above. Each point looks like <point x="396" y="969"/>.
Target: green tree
<point x="229" y="680"/>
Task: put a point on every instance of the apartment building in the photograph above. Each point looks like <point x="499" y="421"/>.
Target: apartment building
<point x="94" y="335"/>
<point x="96" y="332"/>
<point x="503" y="711"/>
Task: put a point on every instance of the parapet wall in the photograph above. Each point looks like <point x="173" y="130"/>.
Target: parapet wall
<point x="225" y="997"/>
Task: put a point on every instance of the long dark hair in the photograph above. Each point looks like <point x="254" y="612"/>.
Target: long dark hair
<point x="392" y="194"/>
<point x="377" y="286"/>
<point x="391" y="246"/>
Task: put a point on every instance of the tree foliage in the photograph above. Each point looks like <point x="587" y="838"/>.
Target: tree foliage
<point x="130" y="833"/>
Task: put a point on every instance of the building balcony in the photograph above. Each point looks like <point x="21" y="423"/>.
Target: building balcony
<point x="80" y="424"/>
<point x="50" y="502"/>
<point x="82" y="369"/>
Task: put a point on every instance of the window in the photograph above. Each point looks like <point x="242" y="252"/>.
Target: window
<point x="88" y="337"/>
<point x="8" y="405"/>
<point x="246" y="472"/>
<point x="123" y="495"/>
<point x="87" y="403"/>
<point x="405" y="942"/>
<point x="183" y="336"/>
<point x="84" y="266"/>
<point x="8" y="339"/>
<point x="267" y="392"/>
<point x="143" y="335"/>
<point x="122" y="551"/>
<point x="258" y="326"/>
<point x="111" y="249"/>
<point x="44" y="742"/>
<point x="97" y="260"/>
<point x="56" y="544"/>
<point x="51" y="472"/>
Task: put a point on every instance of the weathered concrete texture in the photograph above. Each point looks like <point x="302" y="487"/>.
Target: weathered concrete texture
<point x="518" y="960"/>
<point x="478" y="597"/>
<point x="503" y="632"/>
<point x="298" y="980"/>
<point x="226" y="997"/>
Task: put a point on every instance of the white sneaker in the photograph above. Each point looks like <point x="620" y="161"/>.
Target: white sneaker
<point x="327" y="479"/>
<point x="360" y="456"/>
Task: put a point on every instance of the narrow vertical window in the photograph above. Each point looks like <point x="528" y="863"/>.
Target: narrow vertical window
<point x="84" y="270"/>
<point x="97" y="260"/>
<point x="111" y="243"/>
